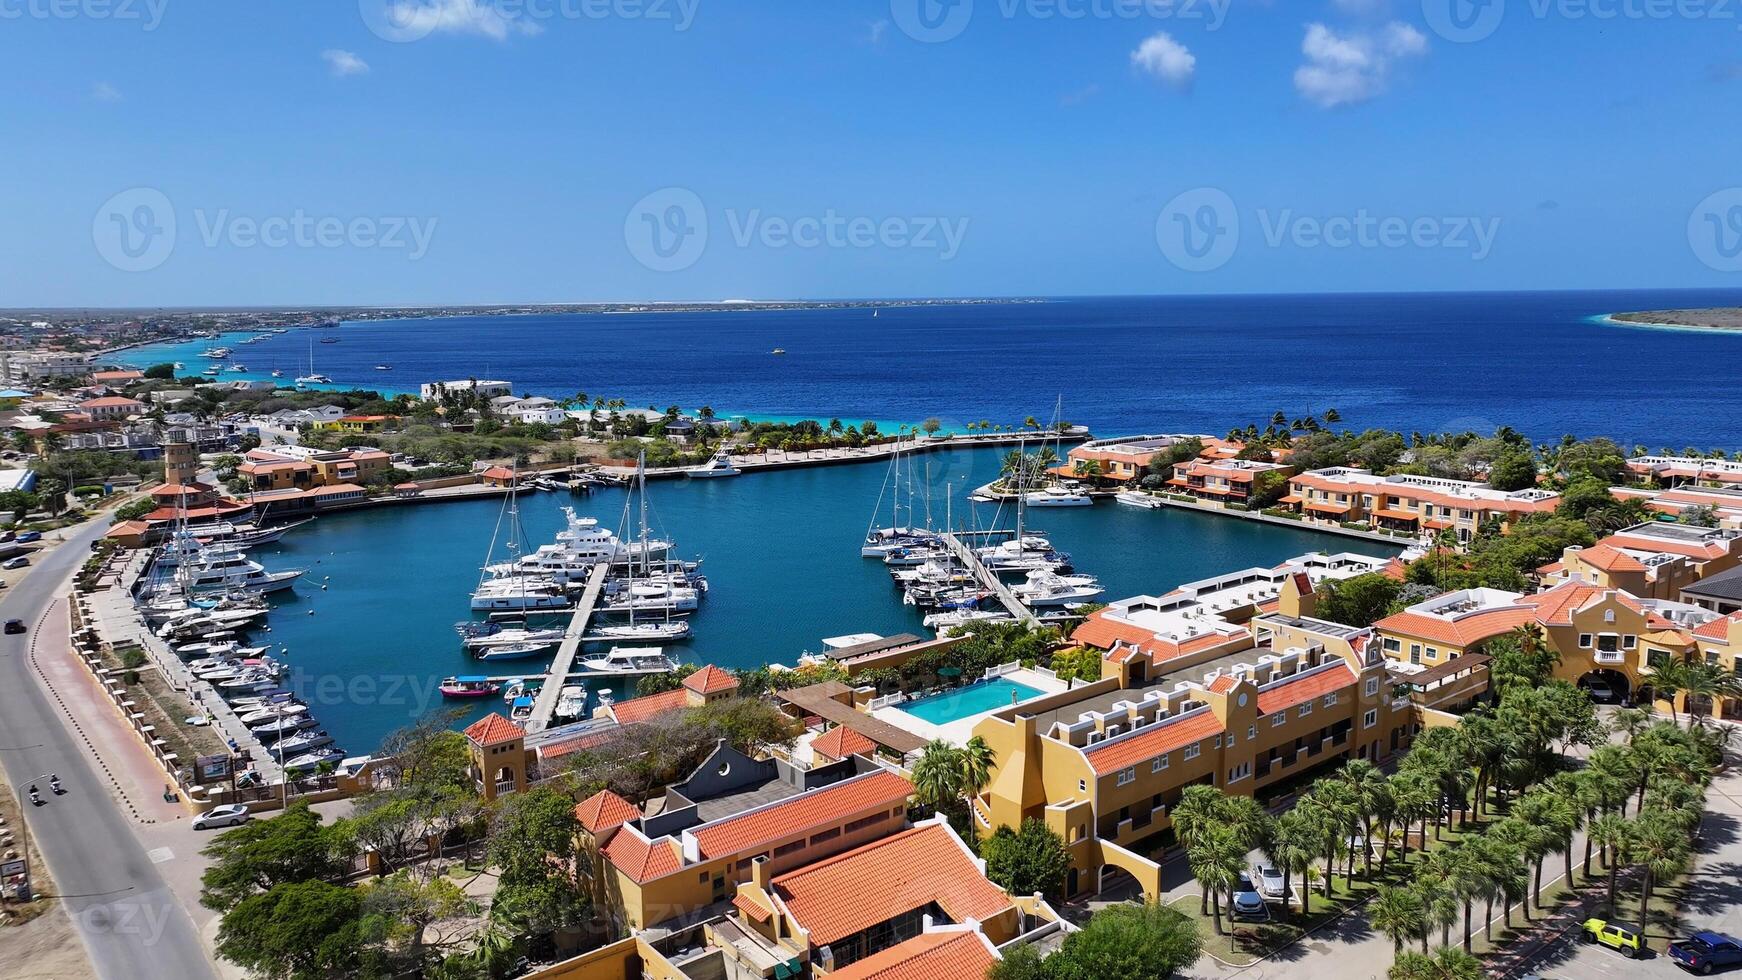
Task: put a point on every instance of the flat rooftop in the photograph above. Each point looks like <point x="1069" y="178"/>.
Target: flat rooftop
<point x="1167" y="681"/>
<point x="747" y="798"/>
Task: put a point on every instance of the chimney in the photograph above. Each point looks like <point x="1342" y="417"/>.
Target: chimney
<point x="760" y="876"/>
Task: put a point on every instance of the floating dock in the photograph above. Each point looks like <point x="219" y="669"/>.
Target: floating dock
<point x="986" y="577"/>
<point x="545" y="706"/>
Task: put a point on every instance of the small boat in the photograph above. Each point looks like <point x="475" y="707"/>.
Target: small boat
<point x="720" y="465"/>
<point x="521" y="708"/>
<point x="310" y="761"/>
<point x="383" y="367"/>
<point x="314" y="379"/>
<point x="571" y="702"/>
<point x="238" y="368"/>
<point x="212" y="371"/>
<point x="277" y="373"/>
<point x="1058" y="495"/>
<point x="329" y="340"/>
<point x="521" y="687"/>
<point x="1132" y="498"/>
<point x="626" y="662"/>
<point x="779" y="350"/>
<point x="280" y="725"/>
<point x="1043" y="589"/>
<point x="677" y="629"/>
<point x="469" y="687"/>
<point x="302" y="742"/>
<point x="942" y="621"/>
<point x="511" y="651"/>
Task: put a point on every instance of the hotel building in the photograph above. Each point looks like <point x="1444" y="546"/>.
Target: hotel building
<point x="1342" y="495"/>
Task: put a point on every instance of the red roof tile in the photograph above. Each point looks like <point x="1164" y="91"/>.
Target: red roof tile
<point x="639" y="858"/>
<point x="840" y="742"/>
<point x="1306" y="687"/>
<point x="604" y="810"/>
<point x="710" y="680"/>
<point x="640" y="709"/>
<point x="493" y="728"/>
<point x="1147" y="743"/>
<point x="954" y="955"/>
<point x="801" y="814"/>
<point x="1718" y="629"/>
<point x="1473" y="628"/>
<point x="887" y="878"/>
<point x="752" y="908"/>
<point x="1609" y="559"/>
<point x="1224" y="684"/>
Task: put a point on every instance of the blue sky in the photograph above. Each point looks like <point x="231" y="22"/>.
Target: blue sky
<point x="529" y="152"/>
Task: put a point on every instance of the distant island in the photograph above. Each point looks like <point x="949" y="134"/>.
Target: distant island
<point x="1714" y="318"/>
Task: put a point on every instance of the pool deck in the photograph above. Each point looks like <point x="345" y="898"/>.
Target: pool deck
<point x="958" y="732"/>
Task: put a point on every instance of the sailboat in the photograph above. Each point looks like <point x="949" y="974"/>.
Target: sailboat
<point x="1055" y="493"/>
<point x="312" y="377"/>
<point x="881" y="542"/>
<point x="663" y="593"/>
<point x="517" y="592"/>
<point x="1025" y="552"/>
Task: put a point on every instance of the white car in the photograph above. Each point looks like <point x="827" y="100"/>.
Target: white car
<point x="228" y="815"/>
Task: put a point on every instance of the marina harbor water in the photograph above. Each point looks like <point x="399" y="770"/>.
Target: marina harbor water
<point x="369" y="634"/>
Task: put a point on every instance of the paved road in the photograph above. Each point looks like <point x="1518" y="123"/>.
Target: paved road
<point x="131" y="924"/>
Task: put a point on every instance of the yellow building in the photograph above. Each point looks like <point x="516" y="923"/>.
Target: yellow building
<point x="1656" y="560"/>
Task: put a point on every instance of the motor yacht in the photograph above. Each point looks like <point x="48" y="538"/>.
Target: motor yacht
<point x="944" y="621"/>
<point x="648" y="632"/>
<point x="499" y="637"/>
<point x="311" y="761"/>
<point x="475" y="686"/>
<point x="1048" y="589"/>
<point x="301" y="742"/>
<point x="629" y="662"/>
<point x="571" y="702"/>
<point x="719" y="466"/>
<point x="1059" y="495"/>
<point x="520" y="595"/>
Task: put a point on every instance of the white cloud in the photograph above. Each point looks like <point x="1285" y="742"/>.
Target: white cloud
<point x="104" y="92"/>
<point x="1342" y="69"/>
<point x="344" y="63"/>
<point x="1166" y="59"/>
<point x="481" y="18"/>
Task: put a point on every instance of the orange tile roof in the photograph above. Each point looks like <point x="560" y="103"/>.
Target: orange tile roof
<point x="605" y="809"/>
<point x="639" y="858"/>
<point x="800" y="814"/>
<point x="953" y="955"/>
<point x="1329" y="508"/>
<point x="710" y="680"/>
<point x="1224" y="684"/>
<point x="1100" y="630"/>
<point x="841" y="741"/>
<point x="640" y="709"/>
<point x="1397" y="515"/>
<point x="887" y="878"/>
<point x="1707" y="550"/>
<point x="1147" y="743"/>
<point x="493" y="728"/>
<point x="751" y="907"/>
<point x="1609" y="559"/>
<point x="1718" y="629"/>
<point x="549" y="751"/>
<point x="1304" y="688"/>
<point x="1470" y="629"/>
<point x="1556" y="606"/>
<point x="112" y="401"/>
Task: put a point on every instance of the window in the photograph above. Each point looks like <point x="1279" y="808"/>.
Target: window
<point x="1415" y="653"/>
<point x="1279" y="719"/>
<point x="1629" y="641"/>
<point x="1082" y="785"/>
<point x="1371" y="718"/>
<point x="1218" y="742"/>
<point x="1306" y="709"/>
<point x="1127" y="775"/>
<point x="1608" y="615"/>
<point x="1158" y="763"/>
<point x="1608" y="643"/>
<point x="1372" y="686"/>
<point x="785" y="849"/>
<point x="1584" y="641"/>
<point x="1251" y="732"/>
<point x="1392" y="645"/>
<point x="863" y="822"/>
<point x="1330" y="699"/>
<point x="1193" y="750"/>
<point x="1239" y="772"/>
<point x="830" y="834"/>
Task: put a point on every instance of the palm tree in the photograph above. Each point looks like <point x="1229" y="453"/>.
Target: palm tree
<point x="1291" y="849"/>
<point x="1446" y="963"/>
<point x="1332" y="416"/>
<point x="1614" y="835"/>
<point x="937" y="775"/>
<point x="1398" y="913"/>
<point x="978" y="759"/>
<point x="1217" y="857"/>
<point x="1370" y="793"/>
<point x="1660" y="851"/>
<point x="1199" y="809"/>
<point x="1630" y="722"/>
<point x="1088" y="469"/>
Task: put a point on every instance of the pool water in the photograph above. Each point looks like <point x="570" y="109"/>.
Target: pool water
<point x="941" y="709"/>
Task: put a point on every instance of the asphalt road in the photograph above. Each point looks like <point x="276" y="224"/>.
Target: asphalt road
<point x="131" y="924"/>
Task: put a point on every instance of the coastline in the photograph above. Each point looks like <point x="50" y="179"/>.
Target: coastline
<point x="1728" y="320"/>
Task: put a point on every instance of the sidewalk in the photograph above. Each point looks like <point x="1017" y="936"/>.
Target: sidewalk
<point x="133" y="776"/>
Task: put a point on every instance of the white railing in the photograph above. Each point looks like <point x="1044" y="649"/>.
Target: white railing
<point x="886" y="700"/>
<point x="1002" y="669"/>
<point x="1046" y="672"/>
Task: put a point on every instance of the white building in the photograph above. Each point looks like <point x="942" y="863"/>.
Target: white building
<point x="26" y="366"/>
<point x="485" y="389"/>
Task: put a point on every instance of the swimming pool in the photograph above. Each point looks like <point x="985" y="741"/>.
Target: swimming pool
<point x="941" y="709"/>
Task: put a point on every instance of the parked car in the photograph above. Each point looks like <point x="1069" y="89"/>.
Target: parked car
<point x="1704" y="952"/>
<point x="227" y="815"/>
<point x="1600" y="692"/>
<point x="1622" y="936"/>
<point x="15" y="626"/>
<point x="19" y="562"/>
<point x="1248" y="906"/>
<point x="1270" y="883"/>
<point x="25" y="537"/>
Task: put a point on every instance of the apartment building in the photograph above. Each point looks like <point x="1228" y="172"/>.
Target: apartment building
<point x="1103" y="764"/>
<point x="483" y="389"/>
<point x="1724" y="501"/>
<point x="111" y="408"/>
<point x="1343" y="494"/>
<point x="301" y="468"/>
<point x="1675" y="471"/>
<point x="1227" y="481"/>
<point x="1650" y="561"/>
<point x="25" y="367"/>
<point x="1128" y="458"/>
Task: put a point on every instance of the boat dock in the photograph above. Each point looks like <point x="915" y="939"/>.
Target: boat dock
<point x="545" y="707"/>
<point x="970" y="559"/>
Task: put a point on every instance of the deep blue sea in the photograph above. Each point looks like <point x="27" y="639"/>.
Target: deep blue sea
<point x="781" y="549"/>
<point x="1413" y="362"/>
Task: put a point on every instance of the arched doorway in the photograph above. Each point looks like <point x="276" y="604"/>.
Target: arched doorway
<point x="1117" y="884"/>
<point x="1607" y="686"/>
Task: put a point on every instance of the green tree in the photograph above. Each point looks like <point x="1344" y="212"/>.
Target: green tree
<point x="303" y="930"/>
<point x="261" y="854"/>
<point x="1120" y="941"/>
<point x="1217" y="856"/>
<point x="1026" y="861"/>
<point x="1358" y="601"/>
<point x="978" y="759"/>
<point x="533" y="846"/>
<point x="1398" y="913"/>
<point x="1513" y="471"/>
<point x="937" y="776"/>
<point x="160" y="372"/>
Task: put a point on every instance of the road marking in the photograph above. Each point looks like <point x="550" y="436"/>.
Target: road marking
<point x="159" y="855"/>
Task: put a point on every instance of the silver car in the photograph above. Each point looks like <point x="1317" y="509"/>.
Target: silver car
<point x="228" y="815"/>
<point x="1270" y="883"/>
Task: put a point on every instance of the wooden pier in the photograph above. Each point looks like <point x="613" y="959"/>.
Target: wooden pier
<point x="563" y="666"/>
<point x="988" y="578"/>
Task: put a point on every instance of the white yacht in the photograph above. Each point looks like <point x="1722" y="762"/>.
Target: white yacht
<point x="720" y="465"/>
<point x="943" y="621"/>
<point x="896" y="535"/>
<point x="578" y="548"/>
<point x="649" y="632"/>
<point x="1023" y="554"/>
<point x="1059" y="495"/>
<point x="650" y="597"/>
<point x="571" y="702"/>
<point x="882" y="542"/>
<point x="232" y="572"/>
<point x="629" y="662"/>
<point x="520" y="593"/>
<point x="1045" y="589"/>
<point x="510" y="637"/>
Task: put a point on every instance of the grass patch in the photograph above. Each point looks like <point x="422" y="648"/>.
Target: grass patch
<point x="1245" y="943"/>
